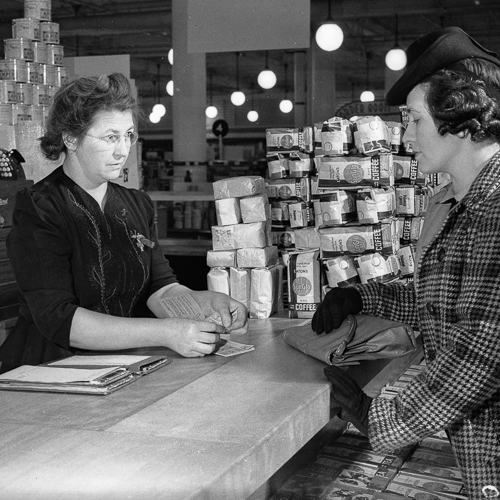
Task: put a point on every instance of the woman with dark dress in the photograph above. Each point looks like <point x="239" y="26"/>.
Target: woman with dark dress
<point x="90" y="271"/>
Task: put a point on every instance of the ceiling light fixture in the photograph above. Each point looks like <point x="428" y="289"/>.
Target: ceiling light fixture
<point x="170" y="87"/>
<point x="252" y="115"/>
<point x="329" y="35"/>
<point x="267" y="77"/>
<point x="286" y="105"/>
<point x="211" y="110"/>
<point x="238" y="97"/>
<point x="170" y="56"/>
<point x="395" y="59"/>
<point x="367" y="95"/>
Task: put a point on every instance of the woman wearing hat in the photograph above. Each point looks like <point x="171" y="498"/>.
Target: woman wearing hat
<point x="452" y="92"/>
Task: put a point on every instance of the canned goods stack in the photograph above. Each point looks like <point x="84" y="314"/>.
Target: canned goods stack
<point x="33" y="66"/>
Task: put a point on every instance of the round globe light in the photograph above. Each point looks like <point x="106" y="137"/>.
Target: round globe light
<point x="170" y="87"/>
<point x="267" y="79"/>
<point x="170" y="56"/>
<point x="367" y="96"/>
<point x="252" y="116"/>
<point x="286" y="106"/>
<point x="154" y="118"/>
<point x="211" y="111"/>
<point x="329" y="36"/>
<point x="238" y="98"/>
<point x="395" y="59"/>
<point x="159" y="109"/>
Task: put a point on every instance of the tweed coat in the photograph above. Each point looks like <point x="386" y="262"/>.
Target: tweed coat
<point x="455" y="303"/>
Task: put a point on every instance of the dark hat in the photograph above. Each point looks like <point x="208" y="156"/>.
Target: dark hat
<point x="432" y="52"/>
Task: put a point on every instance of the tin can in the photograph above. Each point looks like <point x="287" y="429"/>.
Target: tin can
<point x="8" y="92"/>
<point x="23" y="113"/>
<point x="6" y="114"/>
<point x="38" y="9"/>
<point x="26" y="27"/>
<point x="40" y="95"/>
<point x="51" y="90"/>
<point x="13" y="69"/>
<point x="55" y="54"/>
<point x="62" y="76"/>
<point x="24" y="93"/>
<point x="47" y="74"/>
<point x="32" y="72"/>
<point x="18" y="48"/>
<point x="38" y="114"/>
<point x="40" y="52"/>
<point x="49" y="32"/>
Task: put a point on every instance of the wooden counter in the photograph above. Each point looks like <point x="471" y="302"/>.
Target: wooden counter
<point x="200" y="428"/>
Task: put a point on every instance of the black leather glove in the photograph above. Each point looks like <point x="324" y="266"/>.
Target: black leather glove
<point x="336" y="306"/>
<point x="348" y="396"/>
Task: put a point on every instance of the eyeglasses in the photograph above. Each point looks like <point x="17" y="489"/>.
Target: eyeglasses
<point x="113" y="139"/>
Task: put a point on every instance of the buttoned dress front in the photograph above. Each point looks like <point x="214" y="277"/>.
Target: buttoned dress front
<point x="455" y="303"/>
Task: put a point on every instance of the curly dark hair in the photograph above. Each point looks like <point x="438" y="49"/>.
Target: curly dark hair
<point x="75" y="105"/>
<point x="466" y="97"/>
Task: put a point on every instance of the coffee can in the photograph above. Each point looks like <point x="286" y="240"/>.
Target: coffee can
<point x="38" y="114"/>
<point x="32" y="72"/>
<point x="51" y="90"/>
<point x="23" y="113"/>
<point x="24" y="93"/>
<point x="6" y="114"/>
<point x="62" y="76"/>
<point x="26" y="27"/>
<point x="13" y="69"/>
<point x="18" y="48"/>
<point x="40" y="52"/>
<point x="38" y="9"/>
<point x="47" y="74"/>
<point x="8" y="93"/>
<point x="40" y="95"/>
<point x="55" y="54"/>
<point x="49" y="32"/>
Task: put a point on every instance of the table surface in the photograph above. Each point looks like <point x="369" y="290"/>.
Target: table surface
<point x="198" y="428"/>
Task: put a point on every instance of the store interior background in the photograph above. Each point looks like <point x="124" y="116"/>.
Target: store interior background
<point x="221" y="46"/>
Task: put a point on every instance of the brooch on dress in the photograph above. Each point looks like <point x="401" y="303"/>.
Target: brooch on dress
<point x="141" y="241"/>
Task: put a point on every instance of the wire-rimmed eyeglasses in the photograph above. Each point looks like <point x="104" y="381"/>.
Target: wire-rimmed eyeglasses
<point x="113" y="139"/>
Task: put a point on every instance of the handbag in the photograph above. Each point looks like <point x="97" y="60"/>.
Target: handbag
<point x="360" y="337"/>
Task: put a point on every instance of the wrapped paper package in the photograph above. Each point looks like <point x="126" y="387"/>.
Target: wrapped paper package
<point x="294" y="164"/>
<point x="239" y="283"/>
<point x="375" y="204"/>
<point x="336" y="136"/>
<point x="227" y="211"/>
<point x="376" y="267"/>
<point x="306" y="238"/>
<point x="372" y="136"/>
<point x="359" y="239"/>
<point x="240" y="236"/>
<point x="406" y="256"/>
<point x="408" y="229"/>
<point x="290" y="189"/>
<point x="280" y="214"/>
<point x="355" y="171"/>
<point x="266" y="295"/>
<point x="341" y="271"/>
<point x="255" y="208"/>
<point x="406" y="171"/>
<point x="289" y="139"/>
<point x="238" y="187"/>
<point x="301" y="214"/>
<point x="337" y="207"/>
<point x="218" y="280"/>
<point x="304" y="284"/>
<point x="221" y="258"/>
<point x="277" y="166"/>
<point x="412" y="200"/>
<point x="396" y="136"/>
<point x="257" y="257"/>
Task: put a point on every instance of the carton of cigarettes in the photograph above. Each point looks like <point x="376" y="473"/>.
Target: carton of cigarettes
<point x="284" y="238"/>
<point x="341" y="271"/>
<point x="406" y="256"/>
<point x="289" y="139"/>
<point x="343" y="492"/>
<point x="432" y="470"/>
<point x="362" y="456"/>
<point x="218" y="280"/>
<point x="396" y="136"/>
<point x="238" y="187"/>
<point x="412" y="490"/>
<point x="337" y="207"/>
<point x="412" y="200"/>
<point x="436" y="445"/>
<point x="222" y="258"/>
<point x="227" y="211"/>
<point x="377" y="267"/>
<point x="239" y="285"/>
<point x="430" y="483"/>
<point x="239" y="236"/>
<point x="301" y="214"/>
<point x="355" y="171"/>
<point x="255" y="208"/>
<point x="305" y="487"/>
<point x="408" y="229"/>
<point x="431" y="457"/>
<point x="375" y="204"/>
<point x="290" y="189"/>
<point x="336" y="136"/>
<point x="257" y="257"/>
<point x="266" y="295"/>
<point x="304" y="284"/>
<point x="359" y="239"/>
<point x="306" y="238"/>
<point x="372" y="136"/>
<point x="406" y="171"/>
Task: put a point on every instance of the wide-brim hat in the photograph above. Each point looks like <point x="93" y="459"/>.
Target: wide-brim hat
<point x="432" y="52"/>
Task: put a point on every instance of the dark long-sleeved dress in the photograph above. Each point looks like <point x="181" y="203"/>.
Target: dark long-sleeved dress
<point x="68" y="253"/>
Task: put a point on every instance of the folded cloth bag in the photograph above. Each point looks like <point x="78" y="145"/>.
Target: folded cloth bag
<point x="359" y="337"/>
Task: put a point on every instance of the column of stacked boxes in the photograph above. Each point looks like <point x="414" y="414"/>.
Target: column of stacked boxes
<point x="244" y="262"/>
<point x="32" y="69"/>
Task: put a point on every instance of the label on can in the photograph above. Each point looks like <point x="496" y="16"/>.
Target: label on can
<point x="23" y="113"/>
<point x="40" y="95"/>
<point x="13" y="69"/>
<point x="55" y="54"/>
<point x="38" y="9"/>
<point x="62" y="75"/>
<point x="32" y="70"/>
<point x="6" y="114"/>
<point x="8" y="92"/>
<point x="49" y="32"/>
<point x="40" y="52"/>
<point x="18" y="48"/>
<point x="24" y="93"/>
<point x="26" y="27"/>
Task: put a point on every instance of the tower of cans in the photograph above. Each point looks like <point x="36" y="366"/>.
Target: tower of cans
<point x="32" y="69"/>
<point x="347" y="205"/>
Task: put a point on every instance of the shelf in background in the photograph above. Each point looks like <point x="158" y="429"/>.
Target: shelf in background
<point x="185" y="246"/>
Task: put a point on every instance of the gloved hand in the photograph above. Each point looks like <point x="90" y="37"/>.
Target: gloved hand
<point x="336" y="306"/>
<point x="348" y="396"/>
